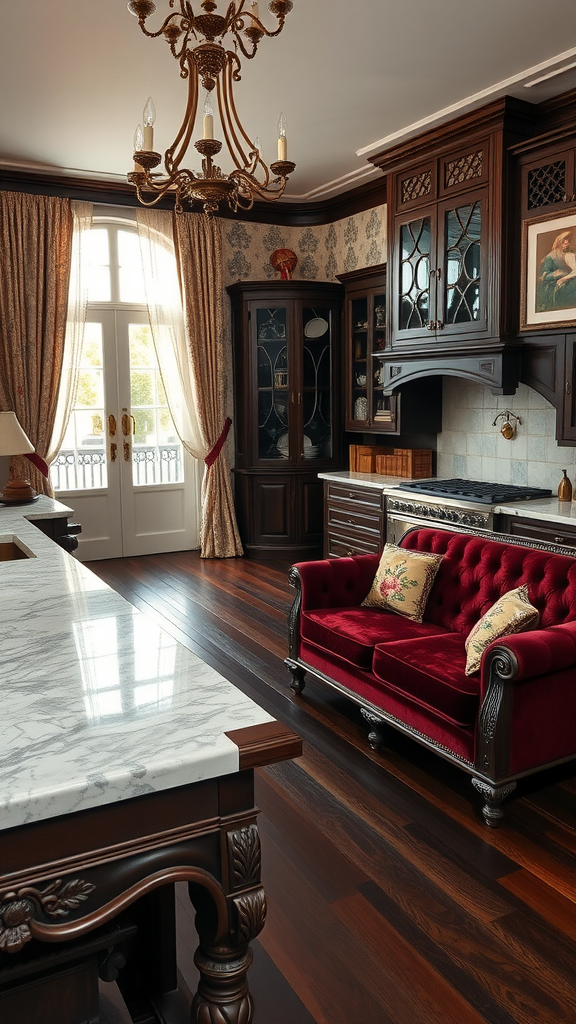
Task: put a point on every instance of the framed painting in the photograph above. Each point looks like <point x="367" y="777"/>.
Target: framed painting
<point x="548" y="296"/>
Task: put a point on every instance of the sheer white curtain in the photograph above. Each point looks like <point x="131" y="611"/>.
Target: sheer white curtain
<point x="164" y="303"/>
<point x="75" y="322"/>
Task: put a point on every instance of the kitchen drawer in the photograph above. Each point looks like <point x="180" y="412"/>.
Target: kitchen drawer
<point x="353" y="519"/>
<point x="534" y="529"/>
<point x="350" y="520"/>
<point x="360" y="497"/>
<point x="339" y="546"/>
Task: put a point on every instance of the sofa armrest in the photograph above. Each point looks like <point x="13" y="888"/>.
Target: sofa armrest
<point x="535" y="653"/>
<point x="335" y="582"/>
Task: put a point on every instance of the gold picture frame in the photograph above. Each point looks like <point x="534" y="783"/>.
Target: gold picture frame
<point x="548" y="281"/>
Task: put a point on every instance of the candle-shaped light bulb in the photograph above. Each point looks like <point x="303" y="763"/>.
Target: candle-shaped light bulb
<point x="208" y="125"/>
<point x="254" y="10"/>
<point x="282" y="144"/>
<point x="148" y="117"/>
<point x="138" y="146"/>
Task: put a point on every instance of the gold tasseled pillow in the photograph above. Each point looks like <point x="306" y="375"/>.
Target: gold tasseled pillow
<point x="512" y="613"/>
<point x="403" y="581"/>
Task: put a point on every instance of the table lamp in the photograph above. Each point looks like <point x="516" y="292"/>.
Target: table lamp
<point x="13" y="441"/>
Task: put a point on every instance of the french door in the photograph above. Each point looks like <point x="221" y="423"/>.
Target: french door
<point x="121" y="467"/>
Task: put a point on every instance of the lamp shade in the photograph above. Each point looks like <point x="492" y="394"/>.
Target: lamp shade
<point x="13" y="440"/>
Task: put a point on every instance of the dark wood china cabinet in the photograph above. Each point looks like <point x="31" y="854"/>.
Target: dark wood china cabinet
<point x="287" y="411"/>
<point x="366" y="405"/>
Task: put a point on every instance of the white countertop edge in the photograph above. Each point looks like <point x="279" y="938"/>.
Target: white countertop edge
<point x="222" y="759"/>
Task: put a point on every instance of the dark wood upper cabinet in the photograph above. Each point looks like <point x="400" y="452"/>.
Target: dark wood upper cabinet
<point x="454" y="250"/>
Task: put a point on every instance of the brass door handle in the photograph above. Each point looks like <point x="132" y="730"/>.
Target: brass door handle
<point x="112" y="425"/>
<point x="126" y="425"/>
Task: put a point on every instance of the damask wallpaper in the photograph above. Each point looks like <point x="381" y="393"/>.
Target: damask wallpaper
<point x="323" y="251"/>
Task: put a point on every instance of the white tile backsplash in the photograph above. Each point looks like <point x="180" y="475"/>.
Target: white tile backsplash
<point x="470" y="447"/>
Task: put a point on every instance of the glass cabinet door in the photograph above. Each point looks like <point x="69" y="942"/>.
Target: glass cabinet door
<point x="360" y="365"/>
<point x="463" y="273"/>
<point x="414" y="299"/>
<point x="316" y="438"/>
<point x="381" y="405"/>
<point x="273" y="381"/>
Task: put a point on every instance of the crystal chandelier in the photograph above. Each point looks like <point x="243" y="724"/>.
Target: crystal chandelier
<point x="196" y="43"/>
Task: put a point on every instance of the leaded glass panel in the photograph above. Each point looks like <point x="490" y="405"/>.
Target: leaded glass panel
<point x="272" y="375"/>
<point x="463" y="264"/>
<point x="316" y="381"/>
<point x="414" y="298"/>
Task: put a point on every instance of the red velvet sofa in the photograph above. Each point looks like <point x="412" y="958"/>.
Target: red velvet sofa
<point x="515" y="717"/>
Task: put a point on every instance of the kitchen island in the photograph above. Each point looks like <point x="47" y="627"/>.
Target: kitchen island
<point x="126" y="765"/>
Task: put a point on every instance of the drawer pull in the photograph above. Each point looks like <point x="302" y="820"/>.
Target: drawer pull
<point x="560" y="540"/>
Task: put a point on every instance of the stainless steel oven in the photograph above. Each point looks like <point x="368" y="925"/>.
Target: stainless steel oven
<point x="452" y="504"/>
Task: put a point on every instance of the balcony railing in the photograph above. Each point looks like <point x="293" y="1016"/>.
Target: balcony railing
<point x="86" y="469"/>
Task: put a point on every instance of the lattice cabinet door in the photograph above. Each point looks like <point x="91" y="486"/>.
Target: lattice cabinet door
<point x="548" y="182"/>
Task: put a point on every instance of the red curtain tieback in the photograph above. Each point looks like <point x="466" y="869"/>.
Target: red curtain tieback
<point x="215" y="451"/>
<point x="37" y="461"/>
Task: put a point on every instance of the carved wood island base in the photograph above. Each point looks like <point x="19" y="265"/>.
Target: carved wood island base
<point x="126" y="766"/>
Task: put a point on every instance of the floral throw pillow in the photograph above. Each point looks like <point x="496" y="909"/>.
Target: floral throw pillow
<point x="403" y="581"/>
<point x="512" y="613"/>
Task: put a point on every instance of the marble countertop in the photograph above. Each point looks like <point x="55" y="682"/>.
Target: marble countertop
<point x="97" y="703"/>
<point x="547" y="510"/>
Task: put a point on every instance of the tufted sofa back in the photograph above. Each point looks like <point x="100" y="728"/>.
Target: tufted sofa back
<point x="476" y="571"/>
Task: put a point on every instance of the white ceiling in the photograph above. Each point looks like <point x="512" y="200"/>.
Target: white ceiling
<point x="350" y="76"/>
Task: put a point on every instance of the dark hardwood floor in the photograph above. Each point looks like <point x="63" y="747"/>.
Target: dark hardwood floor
<point x="390" y="901"/>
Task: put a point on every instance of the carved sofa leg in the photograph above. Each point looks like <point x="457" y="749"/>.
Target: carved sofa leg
<point x="298" y="681"/>
<point x="376" y="734"/>
<point x="494" y="797"/>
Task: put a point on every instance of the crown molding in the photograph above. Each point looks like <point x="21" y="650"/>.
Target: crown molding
<point x="120" y="193"/>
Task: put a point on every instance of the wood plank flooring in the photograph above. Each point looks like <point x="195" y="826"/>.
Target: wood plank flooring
<point x="390" y="901"/>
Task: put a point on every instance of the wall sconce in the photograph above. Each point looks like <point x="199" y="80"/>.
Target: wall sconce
<point x="508" y="429"/>
<point x="13" y="441"/>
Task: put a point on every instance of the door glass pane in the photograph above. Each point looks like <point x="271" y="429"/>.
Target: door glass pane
<point x="462" y="281"/>
<point x="316" y="379"/>
<point x="414" y="299"/>
<point x="98" y="255"/>
<point x="156" y="450"/>
<point x="81" y="461"/>
<point x="130" y="274"/>
<point x="273" y="395"/>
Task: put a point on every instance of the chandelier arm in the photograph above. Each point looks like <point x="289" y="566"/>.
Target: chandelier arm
<point x="167" y="20"/>
<point x="171" y="161"/>
<point x="229" y="118"/>
<point x="266" y="191"/>
<point x="256" y="160"/>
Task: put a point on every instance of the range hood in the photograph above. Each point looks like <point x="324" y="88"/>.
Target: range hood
<point x="497" y="369"/>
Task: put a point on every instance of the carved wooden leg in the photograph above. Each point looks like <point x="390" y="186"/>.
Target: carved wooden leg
<point x="222" y="996"/>
<point x="298" y="682"/>
<point x="494" y="797"/>
<point x="376" y="734"/>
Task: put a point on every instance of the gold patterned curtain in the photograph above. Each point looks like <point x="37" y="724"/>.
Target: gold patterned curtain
<point x="198" y="242"/>
<point x="36" y="249"/>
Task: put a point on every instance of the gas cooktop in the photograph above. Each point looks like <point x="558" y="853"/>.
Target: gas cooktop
<point x="476" y="490"/>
